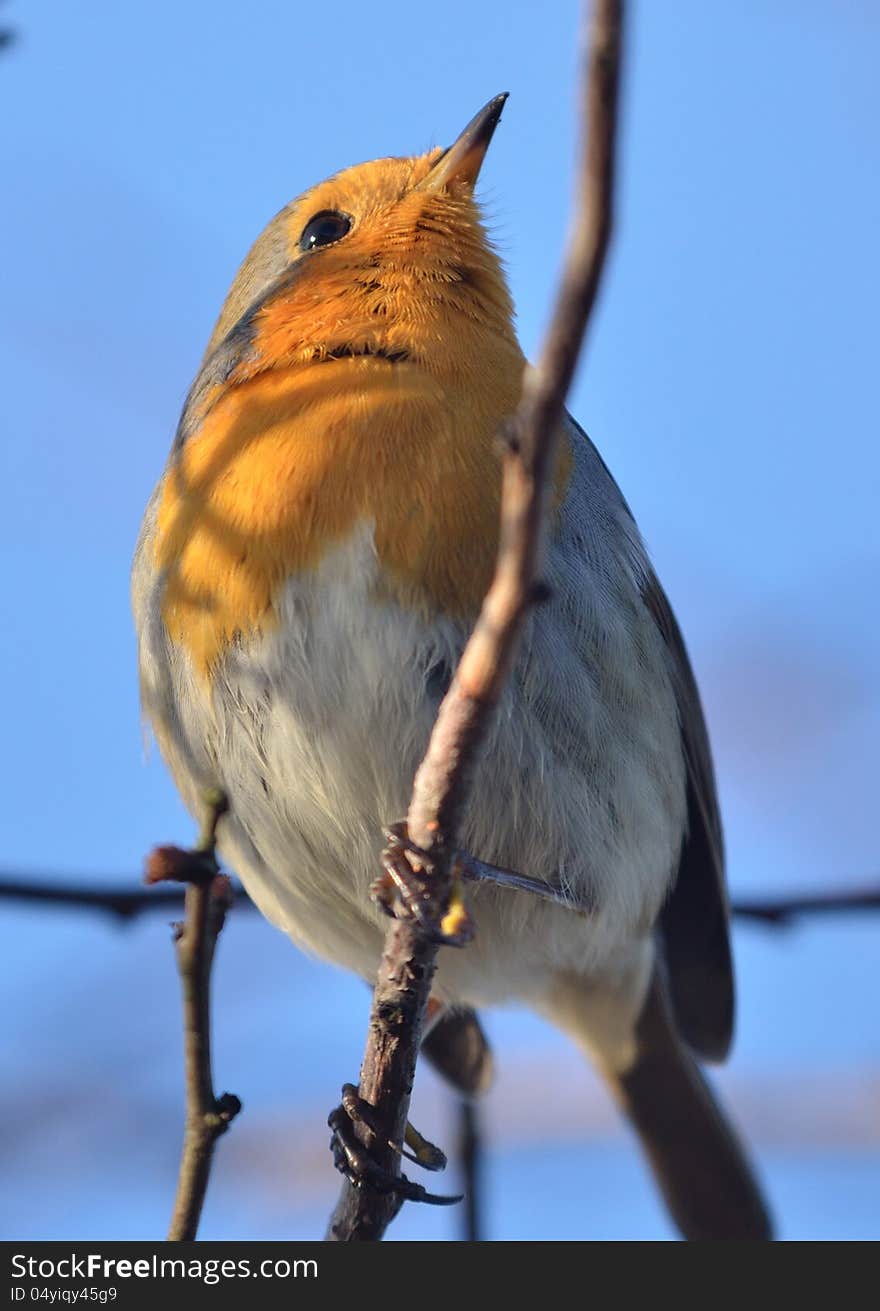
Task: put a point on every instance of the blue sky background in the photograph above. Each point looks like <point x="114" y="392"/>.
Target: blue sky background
<point x="731" y="384"/>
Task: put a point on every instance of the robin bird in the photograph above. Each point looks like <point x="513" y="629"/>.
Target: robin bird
<point x="306" y="576"/>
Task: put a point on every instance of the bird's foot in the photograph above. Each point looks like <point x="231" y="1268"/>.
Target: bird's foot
<point x="353" y="1159"/>
<point x="408" y="887"/>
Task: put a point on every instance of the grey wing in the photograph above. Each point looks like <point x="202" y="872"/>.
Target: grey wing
<point x="694" y="921"/>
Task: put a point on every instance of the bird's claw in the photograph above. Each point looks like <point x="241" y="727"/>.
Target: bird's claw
<point x="408" y="887"/>
<point x="353" y="1160"/>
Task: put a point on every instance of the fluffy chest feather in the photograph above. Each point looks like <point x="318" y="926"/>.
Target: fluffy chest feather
<point x="315" y="724"/>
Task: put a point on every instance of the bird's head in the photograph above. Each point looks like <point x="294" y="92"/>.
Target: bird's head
<point x="387" y="264"/>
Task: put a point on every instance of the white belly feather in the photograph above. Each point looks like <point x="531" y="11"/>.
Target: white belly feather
<point x="316" y="728"/>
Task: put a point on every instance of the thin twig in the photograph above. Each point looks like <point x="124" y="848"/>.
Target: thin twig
<point x="126" y="904"/>
<point x="8" y="36"/>
<point x="778" y="912"/>
<point x="443" y="782"/>
<point x="122" y="903"/>
<point x="207" y="899"/>
<point x="470" y="1155"/>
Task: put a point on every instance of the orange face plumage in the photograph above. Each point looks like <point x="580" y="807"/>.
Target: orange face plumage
<point x="358" y="373"/>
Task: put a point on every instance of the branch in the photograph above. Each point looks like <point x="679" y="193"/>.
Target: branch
<point x="207" y="899"/>
<point x="122" y="903"/>
<point x="443" y="782"/>
<point x="470" y="1155"/>
<point x="126" y="904"/>
<point x="8" y="36"/>
<point x="778" y="912"/>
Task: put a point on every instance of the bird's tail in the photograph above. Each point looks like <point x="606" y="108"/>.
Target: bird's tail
<point x="697" y="1159"/>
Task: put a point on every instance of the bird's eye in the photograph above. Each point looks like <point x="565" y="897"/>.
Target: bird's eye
<point x="324" y="229"/>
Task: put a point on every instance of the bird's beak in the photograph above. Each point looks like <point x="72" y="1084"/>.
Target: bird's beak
<point x="462" y="161"/>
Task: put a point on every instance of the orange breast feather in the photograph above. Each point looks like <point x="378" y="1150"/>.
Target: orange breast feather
<point x="298" y="448"/>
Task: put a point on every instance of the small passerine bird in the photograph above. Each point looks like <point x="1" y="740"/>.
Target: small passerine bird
<point x="307" y="573"/>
